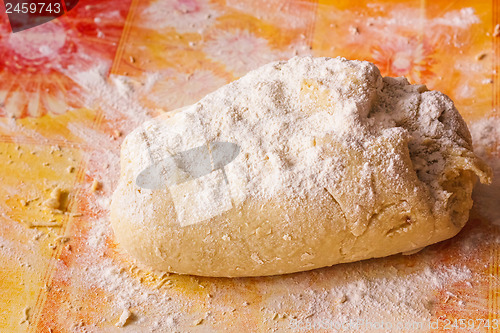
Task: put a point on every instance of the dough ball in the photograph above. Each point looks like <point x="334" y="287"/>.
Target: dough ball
<point x="298" y="165"/>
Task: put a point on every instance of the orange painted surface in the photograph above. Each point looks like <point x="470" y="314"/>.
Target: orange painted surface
<point x="61" y="127"/>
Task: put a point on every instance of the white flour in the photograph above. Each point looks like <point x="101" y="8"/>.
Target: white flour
<point x="358" y="295"/>
<point x="277" y="113"/>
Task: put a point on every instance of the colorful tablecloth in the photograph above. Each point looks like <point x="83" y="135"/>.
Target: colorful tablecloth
<point x="72" y="88"/>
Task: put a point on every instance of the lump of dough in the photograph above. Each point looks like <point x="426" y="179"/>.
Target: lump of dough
<point x="299" y="164"/>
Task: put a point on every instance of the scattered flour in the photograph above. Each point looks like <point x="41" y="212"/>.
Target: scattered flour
<point x="486" y="138"/>
<point x="360" y="291"/>
<point x="355" y="297"/>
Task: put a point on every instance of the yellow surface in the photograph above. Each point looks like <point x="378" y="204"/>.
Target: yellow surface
<point x="174" y="53"/>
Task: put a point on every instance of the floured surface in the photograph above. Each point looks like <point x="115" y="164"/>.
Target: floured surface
<point x="85" y="284"/>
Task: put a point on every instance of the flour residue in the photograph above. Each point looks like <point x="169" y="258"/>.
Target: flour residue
<point x="486" y="138"/>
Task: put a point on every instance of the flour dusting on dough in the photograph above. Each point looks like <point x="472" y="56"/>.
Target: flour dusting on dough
<point x="486" y="139"/>
<point x="286" y="115"/>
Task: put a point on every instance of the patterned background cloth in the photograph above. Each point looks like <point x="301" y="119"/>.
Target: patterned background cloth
<point x="71" y="89"/>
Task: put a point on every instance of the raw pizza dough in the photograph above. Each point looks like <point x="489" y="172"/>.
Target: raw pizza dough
<point x="326" y="162"/>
